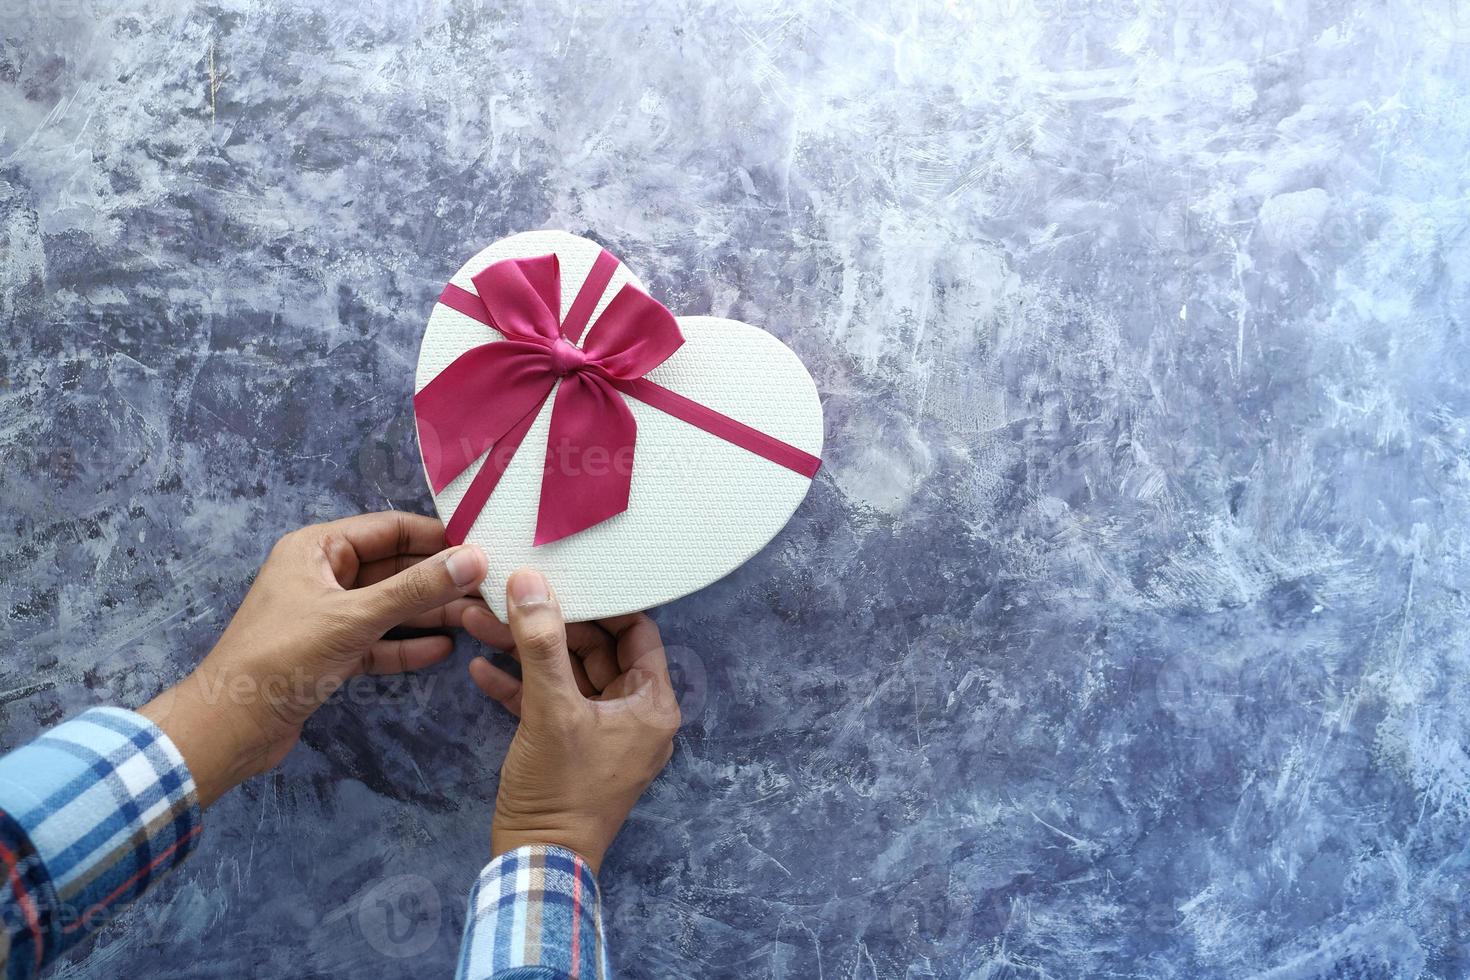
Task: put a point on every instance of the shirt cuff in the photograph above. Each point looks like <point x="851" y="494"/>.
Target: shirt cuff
<point x="534" y="913"/>
<point x="92" y="813"/>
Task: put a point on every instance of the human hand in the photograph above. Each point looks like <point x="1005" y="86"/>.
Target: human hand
<point x="314" y="619"/>
<point x="598" y="718"/>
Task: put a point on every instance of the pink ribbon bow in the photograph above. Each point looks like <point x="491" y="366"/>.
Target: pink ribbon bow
<point x="492" y="394"/>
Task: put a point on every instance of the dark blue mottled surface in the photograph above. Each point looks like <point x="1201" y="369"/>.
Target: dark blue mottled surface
<point x="1123" y="634"/>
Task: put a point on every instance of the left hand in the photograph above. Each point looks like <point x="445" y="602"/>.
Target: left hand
<point x="314" y="619"/>
<point x="598" y="718"/>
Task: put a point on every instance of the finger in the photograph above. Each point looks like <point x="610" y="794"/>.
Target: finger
<point x="497" y="684"/>
<point x="637" y="681"/>
<point x="400" y="656"/>
<point x="617" y="624"/>
<point x="579" y="674"/>
<point x="389" y="533"/>
<point x="639" y="644"/>
<point x="426" y="586"/>
<point x="373" y="572"/>
<point x="642" y="694"/>
<point x="447" y="617"/>
<point x="540" y="636"/>
<point x="484" y="626"/>
<point x="594" y="648"/>
<point x="585" y="641"/>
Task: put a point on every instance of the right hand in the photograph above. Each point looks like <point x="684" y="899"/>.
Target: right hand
<point x="596" y="728"/>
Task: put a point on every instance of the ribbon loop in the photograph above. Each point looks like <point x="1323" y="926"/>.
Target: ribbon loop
<point x="474" y="402"/>
<point x="489" y="397"/>
<point x="523" y="297"/>
<point x="634" y="335"/>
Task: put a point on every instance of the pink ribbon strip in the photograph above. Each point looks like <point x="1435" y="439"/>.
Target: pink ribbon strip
<point x="588" y="469"/>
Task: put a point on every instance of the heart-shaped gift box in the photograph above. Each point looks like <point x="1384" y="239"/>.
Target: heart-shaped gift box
<point x="569" y="423"/>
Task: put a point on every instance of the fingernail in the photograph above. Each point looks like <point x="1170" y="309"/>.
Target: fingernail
<point x="528" y="587"/>
<point x="465" y="566"/>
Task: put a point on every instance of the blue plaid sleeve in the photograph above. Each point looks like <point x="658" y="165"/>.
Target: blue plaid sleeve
<point x="91" y="813"/>
<point x="534" y="915"/>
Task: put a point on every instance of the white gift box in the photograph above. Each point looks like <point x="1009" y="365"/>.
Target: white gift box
<point x="698" y="505"/>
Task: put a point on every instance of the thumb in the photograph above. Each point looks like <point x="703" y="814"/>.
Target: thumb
<point x="422" y="587"/>
<point x="540" y="636"/>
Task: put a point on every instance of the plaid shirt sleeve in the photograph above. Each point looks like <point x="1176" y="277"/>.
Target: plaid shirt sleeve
<point x="91" y="813"/>
<point x="534" y="915"/>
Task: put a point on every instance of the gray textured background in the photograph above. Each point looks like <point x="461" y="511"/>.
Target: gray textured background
<point x="1122" y="633"/>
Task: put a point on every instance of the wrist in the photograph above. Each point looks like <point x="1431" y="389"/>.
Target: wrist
<point x="503" y="841"/>
<point x="220" y="747"/>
